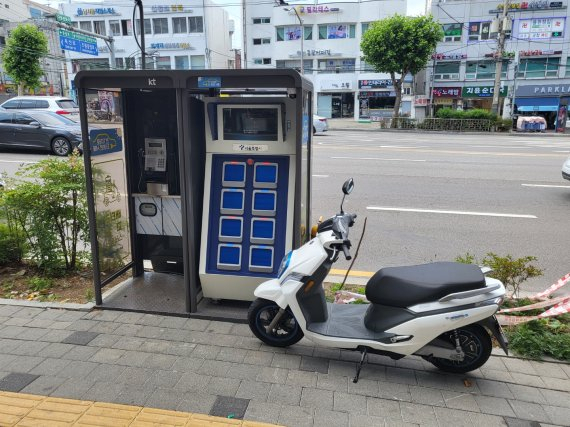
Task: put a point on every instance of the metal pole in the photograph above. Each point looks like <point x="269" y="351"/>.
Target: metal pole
<point x="141" y="25"/>
<point x="302" y="38"/>
<point x="431" y="87"/>
<point x="244" y="30"/>
<point x="112" y="54"/>
<point x="499" y="59"/>
<point x="514" y="91"/>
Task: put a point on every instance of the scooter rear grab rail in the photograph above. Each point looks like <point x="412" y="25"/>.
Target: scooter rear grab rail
<point x="469" y="294"/>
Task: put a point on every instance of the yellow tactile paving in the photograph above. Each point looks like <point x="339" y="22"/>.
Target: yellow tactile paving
<point x="27" y="410"/>
<point x="353" y="273"/>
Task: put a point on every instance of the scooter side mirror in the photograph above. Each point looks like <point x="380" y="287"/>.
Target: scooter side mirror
<point x="348" y="186"/>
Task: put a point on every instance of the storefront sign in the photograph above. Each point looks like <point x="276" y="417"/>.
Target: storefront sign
<point x="377" y="94"/>
<point x="316" y="9"/>
<point x="446" y="92"/>
<point x="337" y="31"/>
<point x="449" y="56"/>
<point x="336" y="84"/>
<point x="97" y="11"/>
<point x="482" y="91"/>
<point x="168" y="8"/>
<point x="539" y="52"/>
<point x="541" y="28"/>
<point x="547" y="90"/>
<point x="318" y="52"/>
<point x="530" y="5"/>
<point x="375" y="84"/>
<point x="171" y="46"/>
<point x="420" y="100"/>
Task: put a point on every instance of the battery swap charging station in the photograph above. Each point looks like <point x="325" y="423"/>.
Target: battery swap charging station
<point x="198" y="182"/>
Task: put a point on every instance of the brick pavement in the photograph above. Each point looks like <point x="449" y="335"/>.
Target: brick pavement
<point x="220" y="369"/>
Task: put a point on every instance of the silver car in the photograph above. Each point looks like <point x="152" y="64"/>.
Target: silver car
<point x="56" y="104"/>
<point x="39" y="130"/>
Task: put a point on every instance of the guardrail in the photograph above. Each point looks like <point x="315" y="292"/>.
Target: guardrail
<point x="456" y="125"/>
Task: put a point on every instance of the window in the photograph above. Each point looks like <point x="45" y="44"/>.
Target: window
<point x="66" y="103"/>
<point x="196" y="24"/>
<point x="74" y="24"/>
<point x="365" y="66"/>
<point x="126" y="27"/>
<point x="90" y="64"/>
<point x="266" y="40"/>
<point x="479" y="31"/>
<point x="447" y="70"/>
<point x="538" y="67"/>
<point x="27" y="103"/>
<point x="407" y="91"/>
<point x="179" y="26"/>
<point x="115" y="28"/>
<point x="181" y="62"/>
<point x="308" y="33"/>
<point x="262" y="61"/>
<point x="163" y="63"/>
<point x="35" y="13"/>
<point x="149" y="63"/>
<point x="365" y="26"/>
<point x="86" y="25"/>
<point x="337" y="31"/>
<point x="147" y="26"/>
<point x="567" y="73"/>
<point x="6" y="117"/>
<point x="99" y="27"/>
<point x="160" y="25"/>
<point x="262" y="20"/>
<point x="119" y="63"/>
<point x="452" y="32"/>
<point x="295" y="64"/>
<point x="484" y="70"/>
<point x="22" y="119"/>
<point x="346" y="65"/>
<point x="130" y="63"/>
<point x="11" y="104"/>
<point x="198" y="62"/>
<point x="42" y="104"/>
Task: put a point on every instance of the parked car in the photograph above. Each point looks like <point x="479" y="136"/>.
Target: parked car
<point x="39" y="130"/>
<point x="566" y="169"/>
<point x="56" y="104"/>
<point x="320" y="124"/>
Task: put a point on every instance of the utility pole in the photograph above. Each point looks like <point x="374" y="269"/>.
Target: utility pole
<point x="503" y="23"/>
<point x="139" y="5"/>
<point x="244" y="31"/>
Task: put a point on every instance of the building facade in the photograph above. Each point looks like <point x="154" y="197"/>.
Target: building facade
<point x="535" y="75"/>
<point x="15" y="13"/>
<point x="190" y="35"/>
<point x="326" y="37"/>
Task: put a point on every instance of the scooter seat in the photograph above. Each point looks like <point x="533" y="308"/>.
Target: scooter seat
<point x="415" y="284"/>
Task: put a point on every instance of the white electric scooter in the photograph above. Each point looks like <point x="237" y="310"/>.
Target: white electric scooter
<point x="440" y="311"/>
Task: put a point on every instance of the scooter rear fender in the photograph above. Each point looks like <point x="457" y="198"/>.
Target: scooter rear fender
<point x="271" y="290"/>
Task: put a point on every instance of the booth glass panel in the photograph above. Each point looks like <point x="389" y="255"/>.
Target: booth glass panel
<point x="106" y="144"/>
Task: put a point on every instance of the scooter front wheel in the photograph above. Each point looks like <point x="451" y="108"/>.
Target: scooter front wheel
<point x="476" y="344"/>
<point x="285" y="333"/>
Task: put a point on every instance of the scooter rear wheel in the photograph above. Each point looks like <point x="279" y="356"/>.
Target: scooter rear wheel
<point x="476" y="344"/>
<point x="286" y="332"/>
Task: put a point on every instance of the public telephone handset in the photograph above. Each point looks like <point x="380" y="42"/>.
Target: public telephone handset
<point x="155" y="155"/>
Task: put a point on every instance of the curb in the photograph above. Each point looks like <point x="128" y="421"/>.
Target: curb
<point x="50" y="305"/>
<point x="439" y="132"/>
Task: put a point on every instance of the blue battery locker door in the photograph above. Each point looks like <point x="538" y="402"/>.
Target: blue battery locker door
<point x="248" y="214"/>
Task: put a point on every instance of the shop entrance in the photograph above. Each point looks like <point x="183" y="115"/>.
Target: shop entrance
<point x="335" y="105"/>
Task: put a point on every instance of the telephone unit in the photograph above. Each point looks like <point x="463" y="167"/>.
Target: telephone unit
<point x="155" y="155"/>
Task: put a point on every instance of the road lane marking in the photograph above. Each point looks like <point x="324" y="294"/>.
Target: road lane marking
<point x="567" y="151"/>
<point x="320" y="176"/>
<point x="17" y="161"/>
<point x="356" y="273"/>
<point x="380" y="208"/>
<point x="545" y="186"/>
<point x="378" y="158"/>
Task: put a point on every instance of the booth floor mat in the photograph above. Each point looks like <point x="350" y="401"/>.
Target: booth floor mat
<point x="152" y="292"/>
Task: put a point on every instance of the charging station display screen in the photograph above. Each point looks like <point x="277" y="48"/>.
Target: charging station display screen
<point x="262" y="229"/>
<point x="264" y="201"/>
<point x="230" y="227"/>
<point x="265" y="175"/>
<point x="253" y="124"/>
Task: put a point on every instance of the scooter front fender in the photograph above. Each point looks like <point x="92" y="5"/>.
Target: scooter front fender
<point x="271" y="290"/>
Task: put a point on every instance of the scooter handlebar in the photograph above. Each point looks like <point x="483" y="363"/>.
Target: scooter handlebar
<point x="346" y="252"/>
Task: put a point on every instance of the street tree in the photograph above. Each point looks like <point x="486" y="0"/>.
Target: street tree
<point x="400" y="45"/>
<point x="21" y="56"/>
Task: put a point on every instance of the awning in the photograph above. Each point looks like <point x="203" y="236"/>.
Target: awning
<point x="537" y="104"/>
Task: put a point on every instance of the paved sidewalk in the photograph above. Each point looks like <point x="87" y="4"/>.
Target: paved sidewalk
<point x="220" y="369"/>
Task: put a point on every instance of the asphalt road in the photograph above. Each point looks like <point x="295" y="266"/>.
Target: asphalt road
<point x="432" y="197"/>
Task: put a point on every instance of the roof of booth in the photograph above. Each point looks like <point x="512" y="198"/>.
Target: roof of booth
<point x="166" y="79"/>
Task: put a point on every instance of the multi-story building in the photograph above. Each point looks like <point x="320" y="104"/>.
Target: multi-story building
<point x="535" y="74"/>
<point x="193" y="35"/>
<point x="17" y="12"/>
<point x="326" y="37"/>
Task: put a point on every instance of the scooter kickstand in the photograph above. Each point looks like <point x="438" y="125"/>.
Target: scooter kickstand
<point x="363" y="355"/>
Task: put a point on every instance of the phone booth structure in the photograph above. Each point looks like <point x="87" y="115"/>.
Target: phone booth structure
<point x="249" y="192"/>
<point x="198" y="181"/>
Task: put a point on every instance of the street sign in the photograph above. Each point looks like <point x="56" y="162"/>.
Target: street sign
<point x="105" y="141"/>
<point x="68" y="40"/>
<point x="209" y="82"/>
<point x="62" y="18"/>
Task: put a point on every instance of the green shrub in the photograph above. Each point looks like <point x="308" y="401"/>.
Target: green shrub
<point x="479" y="114"/>
<point x="538" y="338"/>
<point x="38" y="284"/>
<point x="448" y="113"/>
<point x="12" y="244"/>
<point x="504" y="125"/>
<point x="49" y="206"/>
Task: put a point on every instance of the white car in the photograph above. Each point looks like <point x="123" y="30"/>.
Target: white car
<point x="56" y="104"/>
<point x="566" y="169"/>
<point x="320" y="124"/>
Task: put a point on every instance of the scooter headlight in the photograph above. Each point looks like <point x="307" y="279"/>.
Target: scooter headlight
<point x="284" y="264"/>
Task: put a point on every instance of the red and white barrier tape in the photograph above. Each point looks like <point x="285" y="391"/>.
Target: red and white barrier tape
<point x="561" y="282"/>
<point x="560" y="308"/>
<point x="346" y="297"/>
<point x="542" y="304"/>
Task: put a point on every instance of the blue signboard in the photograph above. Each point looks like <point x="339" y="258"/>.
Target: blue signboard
<point x="305" y="129"/>
<point x="78" y="46"/>
<point x="209" y="82"/>
<point x="105" y="141"/>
